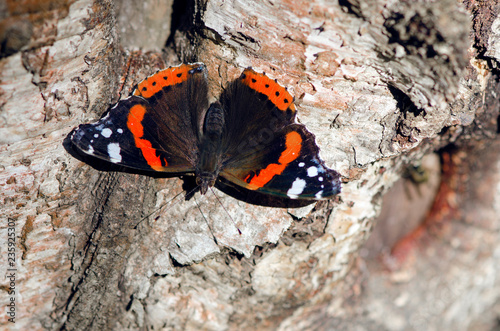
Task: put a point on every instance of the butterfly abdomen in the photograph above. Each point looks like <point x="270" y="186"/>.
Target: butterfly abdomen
<point x="210" y="147"/>
<point x="214" y="122"/>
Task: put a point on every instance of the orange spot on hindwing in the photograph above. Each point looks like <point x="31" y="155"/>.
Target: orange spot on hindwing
<point x="134" y="124"/>
<point x="291" y="153"/>
<point x="276" y="93"/>
<point x="167" y="77"/>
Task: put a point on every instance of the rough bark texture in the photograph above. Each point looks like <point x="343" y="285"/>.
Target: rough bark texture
<point x="402" y="97"/>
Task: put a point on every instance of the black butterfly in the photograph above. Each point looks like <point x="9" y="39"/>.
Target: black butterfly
<point x="249" y="137"/>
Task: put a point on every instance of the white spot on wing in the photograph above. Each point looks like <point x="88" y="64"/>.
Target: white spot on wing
<point x="312" y="171"/>
<point x="90" y="150"/>
<point x="319" y="195"/>
<point x="96" y="135"/>
<point x="114" y="153"/>
<point x="297" y="188"/>
<point x="119" y="130"/>
<point x="106" y="132"/>
<point x="320" y="178"/>
<point x="302" y="164"/>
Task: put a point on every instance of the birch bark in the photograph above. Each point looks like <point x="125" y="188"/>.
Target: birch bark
<point x="402" y="99"/>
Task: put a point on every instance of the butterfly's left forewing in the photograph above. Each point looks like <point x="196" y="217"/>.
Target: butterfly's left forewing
<point x="288" y="167"/>
<point x="264" y="149"/>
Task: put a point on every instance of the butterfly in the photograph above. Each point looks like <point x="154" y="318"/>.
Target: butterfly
<point x="248" y="137"/>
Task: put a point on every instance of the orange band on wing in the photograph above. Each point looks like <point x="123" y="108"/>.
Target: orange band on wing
<point x="276" y="93"/>
<point x="167" y="77"/>
<point x="134" y="124"/>
<point x="290" y="154"/>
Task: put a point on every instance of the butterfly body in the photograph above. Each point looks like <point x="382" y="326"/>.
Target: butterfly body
<point x="249" y="136"/>
<point x="210" y="159"/>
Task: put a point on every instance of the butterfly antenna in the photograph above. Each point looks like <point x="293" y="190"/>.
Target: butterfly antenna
<point x="161" y="207"/>
<point x="208" y="224"/>
<point x="237" y="228"/>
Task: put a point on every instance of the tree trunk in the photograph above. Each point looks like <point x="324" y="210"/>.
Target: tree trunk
<point x="402" y="99"/>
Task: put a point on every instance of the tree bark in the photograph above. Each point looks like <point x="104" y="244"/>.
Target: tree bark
<point x="402" y="99"/>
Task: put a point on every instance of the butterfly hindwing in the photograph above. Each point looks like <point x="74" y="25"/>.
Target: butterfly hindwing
<point x="179" y="100"/>
<point x="252" y="119"/>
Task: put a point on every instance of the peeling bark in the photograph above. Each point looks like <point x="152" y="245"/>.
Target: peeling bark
<point x="385" y="86"/>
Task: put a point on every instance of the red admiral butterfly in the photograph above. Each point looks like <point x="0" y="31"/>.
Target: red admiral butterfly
<point x="248" y="137"/>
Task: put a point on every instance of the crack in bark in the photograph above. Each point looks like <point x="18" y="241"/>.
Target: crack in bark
<point x="90" y="249"/>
